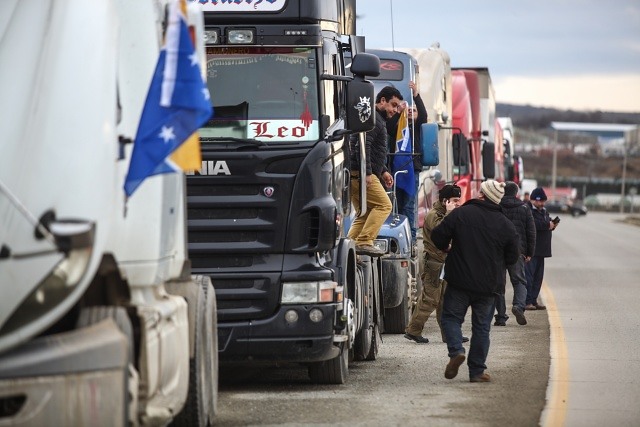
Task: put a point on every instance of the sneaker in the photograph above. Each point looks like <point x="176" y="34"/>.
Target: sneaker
<point x="530" y="307"/>
<point x="519" y="315"/>
<point x="500" y="323"/>
<point x="540" y="307"/>
<point x="369" y="250"/>
<point x="416" y="338"/>
<point x="484" y="378"/>
<point x="451" y="370"/>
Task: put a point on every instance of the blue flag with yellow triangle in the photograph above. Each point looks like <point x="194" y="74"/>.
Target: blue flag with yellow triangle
<point x="403" y="159"/>
<point x="177" y="105"/>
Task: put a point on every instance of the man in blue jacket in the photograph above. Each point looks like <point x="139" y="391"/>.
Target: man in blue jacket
<point x="483" y="242"/>
<point x="534" y="269"/>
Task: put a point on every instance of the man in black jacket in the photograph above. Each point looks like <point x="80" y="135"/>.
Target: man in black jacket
<point x="481" y="243"/>
<point x="365" y="228"/>
<point x="534" y="270"/>
<point x="519" y="213"/>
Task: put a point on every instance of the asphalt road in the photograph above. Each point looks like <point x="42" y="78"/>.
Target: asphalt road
<point x="593" y="281"/>
<point x="404" y="386"/>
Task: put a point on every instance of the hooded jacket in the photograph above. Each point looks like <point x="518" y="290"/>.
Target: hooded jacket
<point x="520" y="215"/>
<point x="483" y="243"/>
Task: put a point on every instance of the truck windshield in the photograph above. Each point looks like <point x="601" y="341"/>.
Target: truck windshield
<point x="264" y="94"/>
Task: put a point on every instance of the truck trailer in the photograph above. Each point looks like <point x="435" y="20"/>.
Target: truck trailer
<point x="101" y="322"/>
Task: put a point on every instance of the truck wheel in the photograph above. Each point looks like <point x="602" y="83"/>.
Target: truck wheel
<point x="202" y="390"/>
<point x="96" y="314"/>
<point x="332" y="371"/>
<point x="397" y="318"/>
<point x="363" y="340"/>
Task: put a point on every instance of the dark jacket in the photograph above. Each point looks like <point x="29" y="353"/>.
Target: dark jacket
<point x="520" y="215"/>
<point x="392" y="132"/>
<point x="376" y="147"/>
<point x="543" y="234"/>
<point x="483" y="243"/>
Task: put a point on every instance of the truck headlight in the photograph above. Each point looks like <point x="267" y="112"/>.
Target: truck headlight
<point x="75" y="239"/>
<point x="382" y="244"/>
<point x="308" y="292"/>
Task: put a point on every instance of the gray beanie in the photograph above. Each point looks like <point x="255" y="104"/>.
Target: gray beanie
<point x="493" y="190"/>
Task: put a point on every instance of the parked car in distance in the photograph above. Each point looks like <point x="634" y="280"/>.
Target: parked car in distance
<point x="574" y="209"/>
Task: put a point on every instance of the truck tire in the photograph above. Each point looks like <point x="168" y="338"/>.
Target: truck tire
<point x="202" y="365"/>
<point x="363" y="339"/>
<point x="332" y="371"/>
<point x="96" y="314"/>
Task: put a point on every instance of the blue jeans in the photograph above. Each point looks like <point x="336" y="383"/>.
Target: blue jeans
<point x="407" y="206"/>
<point x="535" y="273"/>
<point x="519" y="283"/>
<point x="454" y="309"/>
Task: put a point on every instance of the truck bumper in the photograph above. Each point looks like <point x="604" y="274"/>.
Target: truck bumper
<point x="75" y="378"/>
<point x="276" y="339"/>
<point x="395" y="280"/>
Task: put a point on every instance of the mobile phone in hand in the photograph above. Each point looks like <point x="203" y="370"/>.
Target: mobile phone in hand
<point x="556" y="220"/>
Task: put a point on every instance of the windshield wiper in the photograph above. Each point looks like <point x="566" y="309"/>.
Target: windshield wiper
<point x="233" y="139"/>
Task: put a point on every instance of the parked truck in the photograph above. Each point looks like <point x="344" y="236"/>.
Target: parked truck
<point x="101" y="322"/>
<point x="474" y="131"/>
<point x="267" y="210"/>
<point x="513" y="164"/>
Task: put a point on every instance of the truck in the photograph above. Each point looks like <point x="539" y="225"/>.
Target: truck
<point x="267" y="211"/>
<point x="430" y="69"/>
<point x="513" y="164"/>
<point x="101" y="320"/>
<point x="473" y="131"/>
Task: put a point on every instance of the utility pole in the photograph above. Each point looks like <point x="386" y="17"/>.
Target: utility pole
<point x="624" y="172"/>
<point x="554" y="166"/>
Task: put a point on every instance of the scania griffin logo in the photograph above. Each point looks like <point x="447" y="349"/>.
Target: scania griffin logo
<point x="364" y="108"/>
<point x="268" y="191"/>
<point x="212" y="167"/>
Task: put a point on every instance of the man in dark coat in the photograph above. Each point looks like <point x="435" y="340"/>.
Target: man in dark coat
<point x="365" y="228"/>
<point x="483" y="243"/>
<point x="520" y="215"/>
<point x="534" y="269"/>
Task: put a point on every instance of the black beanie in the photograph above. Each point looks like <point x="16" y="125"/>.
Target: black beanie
<point x="449" y="191"/>
<point x="538" y="194"/>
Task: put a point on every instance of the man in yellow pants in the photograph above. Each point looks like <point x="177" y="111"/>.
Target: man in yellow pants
<point x="365" y="228"/>
<point x="432" y="285"/>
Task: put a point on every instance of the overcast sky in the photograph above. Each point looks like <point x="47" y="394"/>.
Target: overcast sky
<point x="578" y="54"/>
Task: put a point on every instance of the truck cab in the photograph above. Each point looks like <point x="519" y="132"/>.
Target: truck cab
<point x="266" y="211"/>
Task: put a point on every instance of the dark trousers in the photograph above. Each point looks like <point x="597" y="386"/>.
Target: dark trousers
<point x="534" y="270"/>
<point x="454" y="309"/>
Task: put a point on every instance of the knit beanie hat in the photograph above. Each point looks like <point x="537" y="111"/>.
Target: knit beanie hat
<point x="449" y="191"/>
<point x="511" y="188"/>
<point x="538" y="194"/>
<point x="493" y="190"/>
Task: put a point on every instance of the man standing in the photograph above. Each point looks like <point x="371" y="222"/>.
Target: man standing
<point x="481" y="243"/>
<point x="416" y="115"/>
<point x="519" y="213"/>
<point x="535" y="268"/>
<point x="365" y="228"/>
<point x="432" y="286"/>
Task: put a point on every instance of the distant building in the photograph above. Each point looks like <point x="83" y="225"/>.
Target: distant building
<point x="610" y="137"/>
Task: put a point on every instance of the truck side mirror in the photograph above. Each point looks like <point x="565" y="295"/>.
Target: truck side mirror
<point x="365" y="64"/>
<point x="488" y="160"/>
<point x="429" y="143"/>
<point x="361" y="116"/>
<point x="460" y="150"/>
